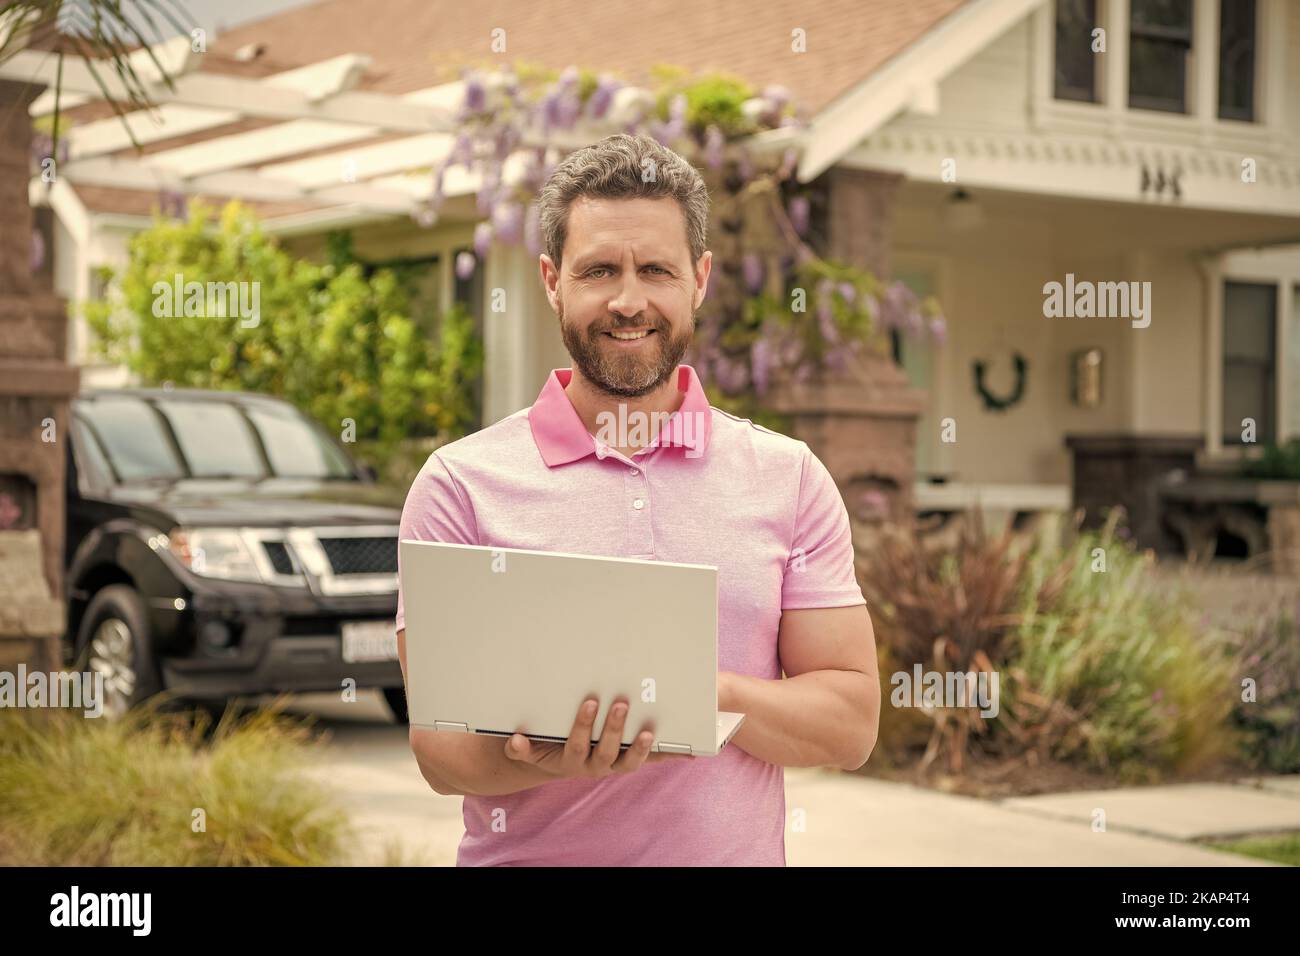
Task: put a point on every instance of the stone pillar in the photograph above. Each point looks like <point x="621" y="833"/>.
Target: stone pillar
<point x="861" y="422"/>
<point x="36" y="385"/>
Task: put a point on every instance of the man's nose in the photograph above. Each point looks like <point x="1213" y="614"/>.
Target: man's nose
<point x="630" y="298"/>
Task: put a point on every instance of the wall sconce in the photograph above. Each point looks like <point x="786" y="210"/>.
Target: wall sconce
<point x="1085" y="378"/>
<point x="963" y="212"/>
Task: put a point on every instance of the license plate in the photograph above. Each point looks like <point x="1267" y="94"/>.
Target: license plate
<point x="369" y="641"/>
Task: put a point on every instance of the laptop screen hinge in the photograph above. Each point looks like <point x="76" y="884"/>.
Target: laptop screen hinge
<point x="451" y="725"/>
<point x="667" y="748"/>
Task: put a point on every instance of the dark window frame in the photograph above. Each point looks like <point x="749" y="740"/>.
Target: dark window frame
<point x="1176" y="37"/>
<point x="1247" y="113"/>
<point x="1091" y="93"/>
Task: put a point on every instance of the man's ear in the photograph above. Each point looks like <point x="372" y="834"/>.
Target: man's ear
<point x="702" y="270"/>
<point x="550" y="280"/>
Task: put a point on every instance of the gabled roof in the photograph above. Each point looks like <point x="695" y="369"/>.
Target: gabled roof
<point x="419" y="43"/>
<point x="394" y="61"/>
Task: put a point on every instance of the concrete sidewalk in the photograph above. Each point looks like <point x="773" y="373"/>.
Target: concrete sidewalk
<point x="839" y="819"/>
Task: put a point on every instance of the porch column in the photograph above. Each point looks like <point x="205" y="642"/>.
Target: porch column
<point x="36" y="385"/>
<point x="507" y="338"/>
<point x="861" y="423"/>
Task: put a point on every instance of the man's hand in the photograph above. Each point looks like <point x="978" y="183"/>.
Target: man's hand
<point x="577" y="758"/>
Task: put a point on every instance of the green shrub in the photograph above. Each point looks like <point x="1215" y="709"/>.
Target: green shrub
<point x="338" y="343"/>
<point x="86" y="792"/>
<point x="1098" y="669"/>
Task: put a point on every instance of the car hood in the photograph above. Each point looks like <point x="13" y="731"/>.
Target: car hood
<point x="277" y="503"/>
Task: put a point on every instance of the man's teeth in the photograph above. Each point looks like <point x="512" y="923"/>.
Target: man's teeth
<point x="630" y="335"/>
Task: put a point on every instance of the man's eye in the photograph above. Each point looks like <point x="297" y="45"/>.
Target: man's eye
<point x="592" y="274"/>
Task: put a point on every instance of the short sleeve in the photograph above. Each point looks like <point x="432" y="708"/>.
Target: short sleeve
<point x="435" y="510"/>
<point x="820" y="571"/>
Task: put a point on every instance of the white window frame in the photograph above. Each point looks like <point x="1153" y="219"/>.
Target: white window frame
<point x="1281" y="269"/>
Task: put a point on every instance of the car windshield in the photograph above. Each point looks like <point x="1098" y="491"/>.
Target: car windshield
<point x="171" y="438"/>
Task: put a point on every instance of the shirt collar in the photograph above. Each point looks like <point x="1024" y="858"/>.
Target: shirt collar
<point x="561" y="436"/>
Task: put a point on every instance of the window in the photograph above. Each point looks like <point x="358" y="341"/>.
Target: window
<point x="1160" y="37"/>
<point x="1249" y="360"/>
<point x="1237" y="60"/>
<point x="1076" y="64"/>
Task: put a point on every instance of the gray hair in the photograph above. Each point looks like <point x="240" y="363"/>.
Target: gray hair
<point x="623" y="167"/>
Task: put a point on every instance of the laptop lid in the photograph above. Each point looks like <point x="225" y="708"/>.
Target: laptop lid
<point x="500" y="639"/>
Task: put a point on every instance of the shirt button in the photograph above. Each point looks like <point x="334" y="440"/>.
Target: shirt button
<point x="638" y="504"/>
<point x="633" y="470"/>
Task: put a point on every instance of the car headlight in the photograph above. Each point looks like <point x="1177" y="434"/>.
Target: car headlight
<point x="214" y="553"/>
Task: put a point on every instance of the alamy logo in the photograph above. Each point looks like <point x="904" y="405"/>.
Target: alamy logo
<point x="1102" y="300"/>
<point x="134" y="910"/>
<point x="635" y="429"/>
<point x="35" y="689"/>
<point x="217" y="300"/>
<point x="949" y="689"/>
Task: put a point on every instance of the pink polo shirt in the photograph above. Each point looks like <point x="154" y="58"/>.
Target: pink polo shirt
<point x="715" y="489"/>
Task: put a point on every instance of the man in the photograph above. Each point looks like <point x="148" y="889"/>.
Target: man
<point x="625" y="268"/>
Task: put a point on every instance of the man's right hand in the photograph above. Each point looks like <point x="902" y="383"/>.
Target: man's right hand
<point x="577" y="758"/>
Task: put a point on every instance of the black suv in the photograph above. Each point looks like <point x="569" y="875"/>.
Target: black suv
<point x="221" y="544"/>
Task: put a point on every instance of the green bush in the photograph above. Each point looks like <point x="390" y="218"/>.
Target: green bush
<point x="338" y="343"/>
<point x="85" y="792"/>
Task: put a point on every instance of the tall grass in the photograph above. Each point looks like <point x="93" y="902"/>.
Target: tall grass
<point x="1115" y="673"/>
<point x="93" y="792"/>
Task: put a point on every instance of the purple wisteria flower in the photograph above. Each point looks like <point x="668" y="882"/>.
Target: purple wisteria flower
<point x="826" y="321"/>
<point x="475" y="94"/>
<point x="508" y="221"/>
<point x="798" y="210"/>
<point x="761" y="357"/>
<point x="715" y="147"/>
<point x="38" y="250"/>
<point x="602" y="96"/>
<point x="754" y="272"/>
<point x="465" y="264"/>
<point x="482" y="241"/>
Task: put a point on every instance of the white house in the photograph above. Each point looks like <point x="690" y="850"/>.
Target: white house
<point x="1143" y="155"/>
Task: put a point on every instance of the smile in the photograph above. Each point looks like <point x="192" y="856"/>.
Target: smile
<point x="630" y="336"/>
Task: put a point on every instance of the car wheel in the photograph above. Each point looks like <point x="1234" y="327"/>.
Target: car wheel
<point x="115" y="642"/>
<point x="396" y="698"/>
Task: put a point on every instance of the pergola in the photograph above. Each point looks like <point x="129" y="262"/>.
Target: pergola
<point x="328" y="144"/>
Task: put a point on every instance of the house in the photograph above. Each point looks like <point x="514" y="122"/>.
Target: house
<point x="1104" y="195"/>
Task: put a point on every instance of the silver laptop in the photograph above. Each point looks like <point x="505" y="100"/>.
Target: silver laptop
<point x="500" y="640"/>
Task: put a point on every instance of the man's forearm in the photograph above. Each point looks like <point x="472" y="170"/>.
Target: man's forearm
<point x="818" y="719"/>
<point x="470" y="765"/>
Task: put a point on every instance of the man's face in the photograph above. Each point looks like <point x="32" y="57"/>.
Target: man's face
<point x="626" y="292"/>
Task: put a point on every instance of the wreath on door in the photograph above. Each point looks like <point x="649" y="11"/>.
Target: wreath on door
<point x="1000" y="403"/>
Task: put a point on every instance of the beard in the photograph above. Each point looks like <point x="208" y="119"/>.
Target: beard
<point x="625" y="374"/>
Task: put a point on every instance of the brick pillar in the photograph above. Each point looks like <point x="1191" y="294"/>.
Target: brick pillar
<point x="36" y="385"/>
<point x="861" y="423"/>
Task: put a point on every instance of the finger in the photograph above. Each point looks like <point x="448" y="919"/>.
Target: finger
<point x="519" y="747"/>
<point x="607" y="749"/>
<point x="635" y="755"/>
<point x="578" y="747"/>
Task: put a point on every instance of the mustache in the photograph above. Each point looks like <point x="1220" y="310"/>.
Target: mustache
<point x="634" y="323"/>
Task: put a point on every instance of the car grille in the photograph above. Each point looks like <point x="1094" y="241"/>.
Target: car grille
<point x="278" y="553"/>
<point x="361" y="555"/>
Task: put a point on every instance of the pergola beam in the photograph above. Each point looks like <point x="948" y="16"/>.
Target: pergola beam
<point x="263" y="98"/>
